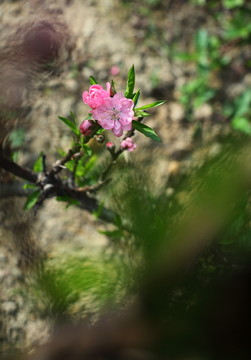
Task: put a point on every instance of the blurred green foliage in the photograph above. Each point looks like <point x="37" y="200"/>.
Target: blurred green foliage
<point x="170" y="252"/>
<point x="77" y="284"/>
<point x="214" y="53"/>
<point x="220" y="60"/>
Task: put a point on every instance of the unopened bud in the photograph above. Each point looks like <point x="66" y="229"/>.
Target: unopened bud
<point x="115" y="70"/>
<point x="86" y="127"/>
<point x="128" y="144"/>
<point x="110" y="145"/>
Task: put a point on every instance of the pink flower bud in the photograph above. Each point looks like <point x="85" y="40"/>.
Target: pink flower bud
<point x="110" y="145"/>
<point x="128" y="144"/>
<point x="115" y="70"/>
<point x="86" y="127"/>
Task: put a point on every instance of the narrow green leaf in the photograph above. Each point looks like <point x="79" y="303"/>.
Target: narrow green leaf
<point x="89" y="117"/>
<point x="70" y="124"/>
<point x="100" y="131"/>
<point x="230" y="4"/>
<point x="242" y="124"/>
<point x="29" y="186"/>
<point x="32" y="199"/>
<point x="113" y="90"/>
<point x="145" y="130"/>
<point x="92" y="80"/>
<point x="136" y="97"/>
<point x="152" y="105"/>
<point x="140" y="113"/>
<point x="130" y="83"/>
<point x="87" y="150"/>
<point x="201" y="40"/>
<point x="113" y="234"/>
<point x="243" y="103"/>
<point x="38" y="165"/>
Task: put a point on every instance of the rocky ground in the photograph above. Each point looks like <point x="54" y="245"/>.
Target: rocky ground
<point x="105" y="34"/>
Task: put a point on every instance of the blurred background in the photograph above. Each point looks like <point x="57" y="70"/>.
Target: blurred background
<point x="176" y="263"/>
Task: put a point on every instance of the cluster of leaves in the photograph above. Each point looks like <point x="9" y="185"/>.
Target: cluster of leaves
<point x="215" y="62"/>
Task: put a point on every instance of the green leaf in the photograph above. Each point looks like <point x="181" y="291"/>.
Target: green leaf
<point x="242" y="124"/>
<point x="32" y="199"/>
<point x="185" y="56"/>
<point x="201" y="40"/>
<point x="29" y="186"/>
<point x="145" y="130"/>
<point x="243" y="104"/>
<point x="87" y="150"/>
<point x="92" y="80"/>
<point x="70" y="124"/>
<point x="230" y="4"/>
<point x="70" y="201"/>
<point x="113" y="234"/>
<point x="89" y="117"/>
<point x="61" y="152"/>
<point x="113" y="90"/>
<point x="152" y="105"/>
<point x="130" y="83"/>
<point x="140" y="113"/>
<point x="70" y="165"/>
<point x="136" y="97"/>
<point x="38" y="165"/>
<point x="17" y="138"/>
<point x="100" y="131"/>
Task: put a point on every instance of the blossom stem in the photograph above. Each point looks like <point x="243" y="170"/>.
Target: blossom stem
<point x="116" y="154"/>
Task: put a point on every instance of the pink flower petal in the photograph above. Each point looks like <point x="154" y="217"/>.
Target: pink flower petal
<point x="115" y="113"/>
<point x="96" y="95"/>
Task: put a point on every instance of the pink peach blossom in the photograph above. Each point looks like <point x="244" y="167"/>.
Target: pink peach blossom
<point x="128" y="144"/>
<point x="96" y="95"/>
<point x="116" y="114"/>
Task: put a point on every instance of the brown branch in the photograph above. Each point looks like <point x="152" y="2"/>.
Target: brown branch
<point x="58" y="189"/>
<point x="13" y="189"/>
<point x="59" y="164"/>
<point x="87" y="203"/>
<point x="52" y="186"/>
<point x="18" y="170"/>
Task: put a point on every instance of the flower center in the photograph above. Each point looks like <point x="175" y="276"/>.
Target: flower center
<point x="115" y="114"/>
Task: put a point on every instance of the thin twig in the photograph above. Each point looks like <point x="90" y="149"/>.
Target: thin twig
<point x="59" y="164"/>
<point x="44" y="164"/>
<point x="115" y="156"/>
